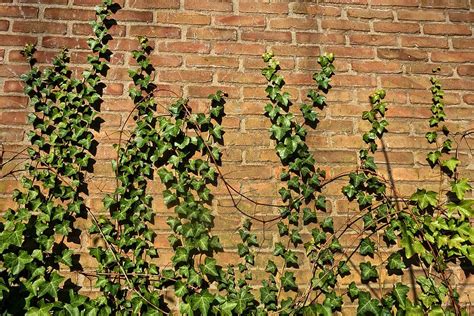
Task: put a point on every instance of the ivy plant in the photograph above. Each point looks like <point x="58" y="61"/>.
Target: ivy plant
<point x="428" y="231"/>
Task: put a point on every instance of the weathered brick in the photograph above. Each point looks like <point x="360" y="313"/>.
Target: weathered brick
<point x="268" y="8"/>
<point x="184" y="47"/>
<point x="394" y="27"/>
<point x="18" y="12"/>
<point x="402" y="54"/>
<point x="447" y="29"/>
<point x="344" y="25"/>
<point x="68" y="14"/>
<point x="155" y="31"/>
<point x="39" y="27"/>
<point x="182" y="18"/>
<point x="208" y="5"/>
<point x="212" y="61"/>
<point x="201" y="33"/>
<point x="316" y="38"/>
<point x="240" y="20"/>
<point x="420" y="41"/>
<point x="267" y="36"/>
<point x="421" y="15"/>
<point x="376" y="40"/>
<point x="155" y="4"/>
<point x="238" y="48"/>
<point x="297" y="23"/>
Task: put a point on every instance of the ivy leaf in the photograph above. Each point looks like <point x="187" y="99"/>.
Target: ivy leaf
<point x="267" y="295"/>
<point x="52" y="286"/>
<point x="288" y="281"/>
<point x="209" y="267"/>
<point x="14" y="238"/>
<point x="367" y="247"/>
<point x="367" y="271"/>
<point x="343" y="268"/>
<point x="353" y="291"/>
<point x="271" y="267"/>
<point x="227" y="308"/>
<point x="243" y="299"/>
<point x="202" y="301"/>
<point x="424" y="198"/>
<point x="451" y="164"/>
<point x="400" y="292"/>
<point x="43" y="310"/>
<point x="433" y="157"/>
<point x="368" y="305"/>
<point x="309" y="216"/>
<point x="180" y="289"/>
<point x="328" y="224"/>
<point x="169" y="197"/>
<point x="15" y="263"/>
<point x="431" y="137"/>
<point x="460" y="187"/>
<point x="395" y="262"/>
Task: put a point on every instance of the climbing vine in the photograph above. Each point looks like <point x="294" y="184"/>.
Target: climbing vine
<point x="428" y="231"/>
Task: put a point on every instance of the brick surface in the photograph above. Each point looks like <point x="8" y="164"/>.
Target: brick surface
<point x="201" y="46"/>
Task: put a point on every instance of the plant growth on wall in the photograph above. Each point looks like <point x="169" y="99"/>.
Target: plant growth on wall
<point x="428" y="231"/>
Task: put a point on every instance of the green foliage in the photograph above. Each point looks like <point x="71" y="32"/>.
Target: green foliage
<point x="430" y="230"/>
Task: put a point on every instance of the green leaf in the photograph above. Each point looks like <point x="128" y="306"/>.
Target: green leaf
<point x="243" y="299"/>
<point x="424" y="198"/>
<point x="367" y="271"/>
<point x="51" y="287"/>
<point x="169" y="197"/>
<point x="271" y="267"/>
<point x="367" y="247"/>
<point x="227" y="308"/>
<point x="400" y="292"/>
<point x="209" y="267"/>
<point x="328" y="224"/>
<point x="395" y="262"/>
<point x="451" y="164"/>
<point x="14" y="238"/>
<point x="460" y="187"/>
<point x="202" y="302"/>
<point x="353" y="291"/>
<point x="368" y="305"/>
<point x="288" y="281"/>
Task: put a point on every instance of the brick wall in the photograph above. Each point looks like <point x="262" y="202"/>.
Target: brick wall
<point x="202" y="46"/>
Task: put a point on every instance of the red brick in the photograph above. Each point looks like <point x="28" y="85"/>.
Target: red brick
<point x="240" y="20"/>
<point x="69" y="14"/>
<point x="376" y="66"/>
<point x="62" y="42"/>
<point x="376" y="40"/>
<point x="4" y="25"/>
<point x="266" y="36"/>
<point x="155" y="4"/>
<point x="404" y="3"/>
<point x="447" y="29"/>
<point x="239" y="77"/>
<point x="402" y="54"/>
<point x="351" y="52"/>
<point x="18" y="12"/>
<point x="369" y="14"/>
<point x="205" y="91"/>
<point x="13" y="102"/>
<point x="211" y="33"/>
<point x="455" y="4"/>
<point x="212" y="61"/>
<point x="90" y="3"/>
<point x="457" y="57"/>
<point x="396" y="27"/>
<point x="296" y="50"/>
<point x="86" y="29"/>
<point x="466" y="70"/>
<point x="39" y="27"/>
<point x="344" y="25"/>
<point x="418" y="68"/>
<point x="134" y="16"/>
<point x="469" y="98"/>
<point x="461" y="16"/>
<point x="63" y="2"/>
<point x="185" y="75"/>
<point x="421" y="15"/>
<point x="315" y="9"/>
<point x="208" y="5"/>
<point x="17" y="40"/>
<point x="13" y="86"/>
<point x="268" y="8"/>
<point x="463" y="42"/>
<point x="182" y="18"/>
<point x="407" y="82"/>
<point x="238" y="48"/>
<point x="184" y="47"/>
<point x="155" y="31"/>
<point x="421" y="41"/>
<point x="317" y="38"/>
<point x="16" y="117"/>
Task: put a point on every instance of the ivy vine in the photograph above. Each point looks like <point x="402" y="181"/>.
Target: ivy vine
<point x="429" y="231"/>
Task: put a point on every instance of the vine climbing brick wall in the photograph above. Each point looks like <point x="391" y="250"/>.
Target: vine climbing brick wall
<point x="201" y="46"/>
